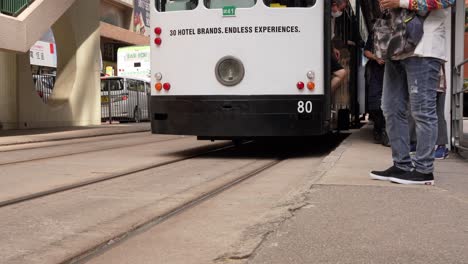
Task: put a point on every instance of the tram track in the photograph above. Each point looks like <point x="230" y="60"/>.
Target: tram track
<point x="58" y="143"/>
<point x="100" y="248"/>
<point x="85" y="151"/>
<point x="83" y="223"/>
<point x="71" y="138"/>
<point x="130" y="172"/>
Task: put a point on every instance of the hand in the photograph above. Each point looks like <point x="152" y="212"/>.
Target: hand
<point x="389" y="4"/>
<point x="380" y="61"/>
<point x="337" y="54"/>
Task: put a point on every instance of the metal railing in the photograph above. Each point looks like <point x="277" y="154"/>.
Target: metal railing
<point x="44" y="85"/>
<point x="13" y="7"/>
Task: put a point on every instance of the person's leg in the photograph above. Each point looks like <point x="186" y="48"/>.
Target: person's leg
<point x="377" y="130"/>
<point x="412" y="132"/>
<point x="442" y="138"/>
<point x="338" y="78"/>
<point x="441" y="151"/>
<point x="423" y="80"/>
<point x="338" y="74"/>
<point x="395" y="110"/>
<point x="412" y="129"/>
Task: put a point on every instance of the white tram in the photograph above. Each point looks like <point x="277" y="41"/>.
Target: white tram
<point x="240" y="68"/>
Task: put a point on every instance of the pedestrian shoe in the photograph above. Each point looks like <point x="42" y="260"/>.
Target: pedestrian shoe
<point x="386" y="174"/>
<point x="441" y="152"/>
<point x="377" y="137"/>
<point x="414" y="177"/>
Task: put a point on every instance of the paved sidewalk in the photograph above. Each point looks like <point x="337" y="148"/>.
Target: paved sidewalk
<point x="22" y="136"/>
<point x="353" y="219"/>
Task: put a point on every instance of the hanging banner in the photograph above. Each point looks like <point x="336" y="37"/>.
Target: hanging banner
<point x="43" y="54"/>
<point x="141" y="17"/>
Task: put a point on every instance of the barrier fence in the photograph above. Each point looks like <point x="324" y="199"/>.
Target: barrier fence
<point x="44" y="85"/>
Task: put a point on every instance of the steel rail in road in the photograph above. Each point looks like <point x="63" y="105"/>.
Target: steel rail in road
<point x="71" y="138"/>
<point x="98" y="139"/>
<point x="72" y="186"/>
<point x="88" y="151"/>
<point x="96" y="250"/>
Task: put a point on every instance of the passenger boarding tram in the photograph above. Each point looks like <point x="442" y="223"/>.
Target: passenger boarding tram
<point x="240" y="68"/>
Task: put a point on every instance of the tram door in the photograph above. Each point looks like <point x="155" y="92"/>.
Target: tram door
<point x="460" y="79"/>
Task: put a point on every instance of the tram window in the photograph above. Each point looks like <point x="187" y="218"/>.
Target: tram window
<point x="218" y="4"/>
<point x="289" y="3"/>
<point x="175" y="5"/>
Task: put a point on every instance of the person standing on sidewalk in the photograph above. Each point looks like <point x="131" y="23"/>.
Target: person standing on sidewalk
<point x="414" y="79"/>
<point x="374" y="78"/>
<point x="338" y="72"/>
<point x="441" y="150"/>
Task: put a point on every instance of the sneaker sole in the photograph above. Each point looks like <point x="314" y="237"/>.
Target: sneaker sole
<point x="400" y="181"/>
<point x="441" y="158"/>
<point x="377" y="177"/>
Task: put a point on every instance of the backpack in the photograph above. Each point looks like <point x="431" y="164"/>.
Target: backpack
<point x="397" y="32"/>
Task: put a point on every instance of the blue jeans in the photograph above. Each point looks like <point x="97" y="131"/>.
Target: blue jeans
<point x="411" y="82"/>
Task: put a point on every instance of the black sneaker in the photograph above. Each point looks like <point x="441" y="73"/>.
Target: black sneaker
<point x="386" y="174"/>
<point x="414" y="177"/>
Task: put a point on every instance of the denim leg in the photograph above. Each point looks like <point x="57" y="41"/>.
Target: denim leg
<point x="395" y="110"/>
<point x="423" y="80"/>
<point x="442" y="137"/>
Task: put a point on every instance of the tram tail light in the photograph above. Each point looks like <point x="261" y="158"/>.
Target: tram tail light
<point x="310" y="85"/>
<point x="300" y="85"/>
<point x="167" y="86"/>
<point x="158" y="41"/>
<point x="158" y="86"/>
<point x="157" y="31"/>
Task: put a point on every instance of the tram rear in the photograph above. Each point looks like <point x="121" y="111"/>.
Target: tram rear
<point x="231" y="68"/>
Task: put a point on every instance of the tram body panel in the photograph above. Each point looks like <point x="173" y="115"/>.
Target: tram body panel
<point x="267" y="101"/>
<point x="273" y="61"/>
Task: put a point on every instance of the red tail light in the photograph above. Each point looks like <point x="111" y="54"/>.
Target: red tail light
<point x="167" y="86"/>
<point x="157" y="41"/>
<point x="300" y="85"/>
<point x="157" y="31"/>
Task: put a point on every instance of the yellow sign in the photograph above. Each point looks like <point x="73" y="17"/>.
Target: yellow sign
<point x="109" y="71"/>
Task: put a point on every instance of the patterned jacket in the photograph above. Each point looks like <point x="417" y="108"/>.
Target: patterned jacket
<point x="426" y="5"/>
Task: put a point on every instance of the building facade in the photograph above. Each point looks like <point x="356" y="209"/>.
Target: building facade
<point x="122" y="23"/>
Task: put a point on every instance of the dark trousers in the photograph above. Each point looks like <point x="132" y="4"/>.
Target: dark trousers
<point x="379" y="120"/>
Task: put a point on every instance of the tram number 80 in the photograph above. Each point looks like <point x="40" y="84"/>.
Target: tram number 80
<point x="304" y="107"/>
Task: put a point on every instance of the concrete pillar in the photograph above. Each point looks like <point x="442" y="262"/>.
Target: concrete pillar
<point x="8" y="106"/>
<point x="75" y="100"/>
